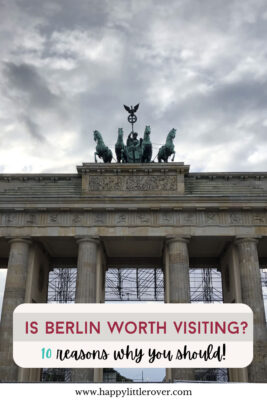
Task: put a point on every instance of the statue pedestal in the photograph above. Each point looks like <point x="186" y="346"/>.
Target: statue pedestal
<point x="126" y="180"/>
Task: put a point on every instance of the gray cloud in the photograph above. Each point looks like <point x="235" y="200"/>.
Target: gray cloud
<point x="68" y="67"/>
<point x="33" y="128"/>
<point x="25" y="79"/>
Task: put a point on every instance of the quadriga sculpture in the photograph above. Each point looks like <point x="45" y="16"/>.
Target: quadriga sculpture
<point x="120" y="147"/>
<point x="168" y="149"/>
<point x="102" y="151"/>
<point x="146" y="146"/>
<point x="136" y="150"/>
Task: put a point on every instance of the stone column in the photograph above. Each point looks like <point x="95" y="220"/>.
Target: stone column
<point x="179" y="287"/>
<point x="231" y="287"/>
<point x="100" y="298"/>
<point x="252" y="296"/>
<point x="36" y="292"/>
<point x="13" y="296"/>
<point x="86" y="289"/>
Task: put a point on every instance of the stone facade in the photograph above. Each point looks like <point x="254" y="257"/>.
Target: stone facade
<point x="136" y="213"/>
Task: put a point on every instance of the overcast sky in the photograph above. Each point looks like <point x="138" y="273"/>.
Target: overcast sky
<point x="67" y="67"/>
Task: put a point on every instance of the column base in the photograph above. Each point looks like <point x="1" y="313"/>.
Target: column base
<point x="82" y="375"/>
<point x="182" y="374"/>
<point x="257" y="369"/>
<point x="8" y="369"/>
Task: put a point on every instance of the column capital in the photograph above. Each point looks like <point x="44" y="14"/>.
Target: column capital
<point x="246" y="239"/>
<point x="177" y="239"/>
<point x="87" y="238"/>
<point x="26" y="240"/>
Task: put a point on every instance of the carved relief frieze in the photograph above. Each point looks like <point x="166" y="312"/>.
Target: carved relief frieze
<point x="77" y="219"/>
<point x="143" y="218"/>
<point x="99" y="218"/>
<point x="101" y="183"/>
<point x="188" y="218"/>
<point x="236" y="218"/>
<point x="167" y="218"/>
<point x="10" y="219"/>
<point x="258" y="218"/>
<point x="133" y="218"/>
<point x="121" y="218"/>
<point x="31" y="219"/>
<point x="53" y="218"/>
<point x="132" y="183"/>
<point x="147" y="183"/>
<point x="212" y="218"/>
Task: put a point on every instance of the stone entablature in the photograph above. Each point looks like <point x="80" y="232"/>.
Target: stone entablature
<point x="155" y="185"/>
<point x="133" y="179"/>
<point x="223" y="184"/>
<point x="38" y="187"/>
<point x="102" y="217"/>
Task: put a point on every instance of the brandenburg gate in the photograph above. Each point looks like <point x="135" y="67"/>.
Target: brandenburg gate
<point x="133" y="214"/>
<point x="136" y="213"/>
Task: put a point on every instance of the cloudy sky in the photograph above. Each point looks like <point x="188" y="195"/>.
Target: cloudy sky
<point x="67" y="67"/>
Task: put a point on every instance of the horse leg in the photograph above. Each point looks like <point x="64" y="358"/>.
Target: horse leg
<point x="149" y="155"/>
<point x="173" y="155"/>
<point x="96" y="154"/>
<point x="122" y="158"/>
<point x="109" y="157"/>
<point x="165" y="156"/>
<point x="143" y="157"/>
<point x="160" y="155"/>
<point x="125" y="156"/>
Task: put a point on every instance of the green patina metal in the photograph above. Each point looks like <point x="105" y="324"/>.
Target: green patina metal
<point x="136" y="150"/>
<point x="168" y="149"/>
<point x="102" y="151"/>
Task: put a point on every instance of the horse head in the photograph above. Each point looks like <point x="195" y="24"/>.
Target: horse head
<point x="147" y="132"/>
<point x="171" y="134"/>
<point x="120" y="133"/>
<point x="97" y="136"/>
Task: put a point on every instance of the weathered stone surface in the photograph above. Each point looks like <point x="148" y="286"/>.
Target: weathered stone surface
<point x="86" y="289"/>
<point x="133" y="178"/>
<point x="246" y="184"/>
<point x="14" y="295"/>
<point x="179" y="287"/>
<point x="178" y="270"/>
<point x="132" y="183"/>
<point x="252" y="296"/>
<point x="238" y="186"/>
<point x="86" y="270"/>
<point x="141" y="217"/>
<point x="138" y="203"/>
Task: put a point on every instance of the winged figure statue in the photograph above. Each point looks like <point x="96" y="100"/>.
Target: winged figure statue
<point x="131" y="110"/>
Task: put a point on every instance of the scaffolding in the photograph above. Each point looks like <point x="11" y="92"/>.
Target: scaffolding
<point x="62" y="285"/>
<point x="264" y="283"/>
<point x="205" y="285"/>
<point x="147" y="284"/>
<point x="264" y="289"/>
<point x="136" y="284"/>
<point x="61" y="289"/>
